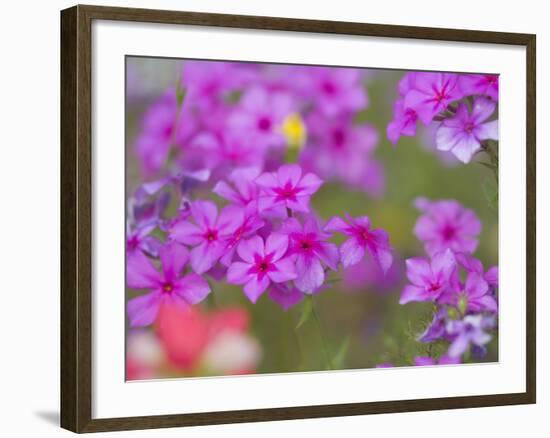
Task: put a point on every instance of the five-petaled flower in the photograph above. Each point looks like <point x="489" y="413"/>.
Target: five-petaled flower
<point x="429" y="279"/>
<point x="361" y="239"/>
<point x="309" y="245"/>
<point x="208" y="234"/>
<point x="262" y="263"/>
<point x="287" y="187"/>
<point x="463" y="133"/>
<point x="167" y="285"/>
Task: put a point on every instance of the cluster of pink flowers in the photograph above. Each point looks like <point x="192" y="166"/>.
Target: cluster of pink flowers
<point x="461" y="105"/>
<point x="266" y="238"/>
<point x="465" y="295"/>
<point x="227" y="115"/>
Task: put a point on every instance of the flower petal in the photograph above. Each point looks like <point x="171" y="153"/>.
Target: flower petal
<point x="204" y="213"/>
<point x="310" y="274"/>
<point x="285" y="271"/>
<point x="351" y="252"/>
<point x="413" y="293"/>
<point x="309" y="184"/>
<point x="276" y="244"/>
<point x="143" y="310"/>
<point x="250" y="247"/>
<point x="204" y="256"/>
<point x="140" y="272"/>
<point x="256" y="287"/>
<point x="173" y="258"/>
<point x="187" y="233"/>
<point x="238" y="273"/>
<point x="285" y="296"/>
<point x="289" y="173"/>
<point x="193" y="288"/>
<point x="419" y="271"/>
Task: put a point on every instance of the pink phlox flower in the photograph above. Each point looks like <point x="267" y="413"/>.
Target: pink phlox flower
<point x="361" y="239"/>
<point x="447" y="224"/>
<point x="287" y="187"/>
<point x="263" y="263"/>
<point x="310" y="248"/>
<point x="207" y="234"/>
<point x="243" y="189"/>
<point x="166" y="285"/>
<point x="463" y="133"/>
<point x="429" y="279"/>
<point x="431" y="94"/>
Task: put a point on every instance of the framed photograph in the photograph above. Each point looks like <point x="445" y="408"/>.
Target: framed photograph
<point x="268" y="219"/>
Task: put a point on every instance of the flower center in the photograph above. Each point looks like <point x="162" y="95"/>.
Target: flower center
<point x="167" y="288"/>
<point x="469" y="127"/>
<point x="286" y="192"/>
<point x="448" y="232"/>
<point x="211" y="235"/>
<point x="338" y="138"/>
<point x="434" y="287"/>
<point x="264" y="124"/>
<point x="328" y="87"/>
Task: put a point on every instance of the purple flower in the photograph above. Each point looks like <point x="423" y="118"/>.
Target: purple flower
<point x="429" y="279"/>
<point x="447" y="224"/>
<point x="470" y="330"/>
<point x="285" y="295"/>
<point x="471" y="264"/>
<point x="260" y="115"/>
<point x="438" y="327"/>
<point x="139" y="240"/>
<point x="287" y="188"/>
<point x="263" y="263"/>
<point x="337" y="90"/>
<point x="431" y="94"/>
<point x="443" y="360"/>
<point x="463" y="133"/>
<point x="479" y="84"/>
<point x="165" y="286"/>
<point x="243" y="190"/>
<point x="208" y="234"/>
<point x="309" y="247"/>
<point x="361" y="239"/>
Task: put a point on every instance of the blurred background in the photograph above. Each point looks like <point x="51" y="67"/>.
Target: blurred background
<point x="362" y="323"/>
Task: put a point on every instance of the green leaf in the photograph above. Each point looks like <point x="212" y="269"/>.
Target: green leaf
<point x="338" y="359"/>
<point x="307" y="308"/>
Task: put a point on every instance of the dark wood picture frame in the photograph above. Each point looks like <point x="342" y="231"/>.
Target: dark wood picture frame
<point x="76" y="217"/>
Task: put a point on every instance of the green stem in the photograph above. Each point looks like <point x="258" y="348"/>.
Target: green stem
<point x="321" y="336"/>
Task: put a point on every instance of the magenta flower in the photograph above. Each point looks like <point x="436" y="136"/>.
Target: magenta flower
<point x="208" y="234"/>
<point x="263" y="263"/>
<point x="403" y="123"/>
<point x="429" y="279"/>
<point x="285" y="295"/>
<point x="166" y="286"/>
<point x="337" y="90"/>
<point x="342" y="150"/>
<point x="463" y="133"/>
<point x="431" y="94"/>
<point x="447" y="224"/>
<point x="243" y="190"/>
<point x="260" y="115"/>
<point x="287" y="188"/>
<point x="479" y="85"/>
<point x="471" y="264"/>
<point x="248" y="222"/>
<point x="310" y="248"/>
<point x="361" y="239"/>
